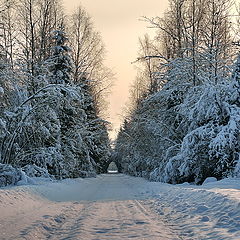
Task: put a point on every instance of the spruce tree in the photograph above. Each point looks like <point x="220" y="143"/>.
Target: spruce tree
<point x="60" y="61"/>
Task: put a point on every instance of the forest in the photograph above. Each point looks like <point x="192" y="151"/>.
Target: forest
<point x="173" y="170"/>
<point x="53" y="83"/>
<point x="183" y="122"/>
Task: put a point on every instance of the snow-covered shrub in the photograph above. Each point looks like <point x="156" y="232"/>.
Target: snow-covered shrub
<point x="211" y="144"/>
<point x="9" y="175"/>
<point x="225" y="146"/>
<point x="35" y="171"/>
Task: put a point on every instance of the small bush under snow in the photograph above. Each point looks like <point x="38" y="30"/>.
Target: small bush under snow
<point x="35" y="171"/>
<point x="209" y="180"/>
<point x="9" y="175"/>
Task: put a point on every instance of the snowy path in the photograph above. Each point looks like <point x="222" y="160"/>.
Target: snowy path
<point x="107" y="207"/>
<point x="109" y="220"/>
<point x="119" y="207"/>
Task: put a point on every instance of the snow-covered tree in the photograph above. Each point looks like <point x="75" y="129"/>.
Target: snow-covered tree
<point x="98" y="140"/>
<point x="189" y="129"/>
<point x="55" y="128"/>
<point x="60" y="61"/>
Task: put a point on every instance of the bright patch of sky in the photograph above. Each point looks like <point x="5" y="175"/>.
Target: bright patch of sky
<point x="118" y="22"/>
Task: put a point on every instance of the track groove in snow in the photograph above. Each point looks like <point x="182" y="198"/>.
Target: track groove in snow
<point x="104" y="220"/>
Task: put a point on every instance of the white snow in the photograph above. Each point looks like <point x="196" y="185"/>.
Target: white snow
<point x="211" y="211"/>
<point x="209" y="180"/>
<point x="1" y="91"/>
<point x="116" y="206"/>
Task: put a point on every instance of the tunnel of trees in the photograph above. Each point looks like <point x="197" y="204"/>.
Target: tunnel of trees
<point x="182" y="122"/>
<point x="112" y="168"/>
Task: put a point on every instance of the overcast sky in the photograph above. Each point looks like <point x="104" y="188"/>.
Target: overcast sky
<point x="118" y="22"/>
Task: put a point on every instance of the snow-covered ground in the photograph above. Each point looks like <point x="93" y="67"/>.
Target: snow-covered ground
<point x="117" y="206"/>
<point x="210" y="211"/>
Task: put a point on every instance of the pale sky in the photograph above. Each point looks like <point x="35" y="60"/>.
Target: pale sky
<point x="119" y="25"/>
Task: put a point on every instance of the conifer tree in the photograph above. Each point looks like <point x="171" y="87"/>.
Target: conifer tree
<point x="60" y="61"/>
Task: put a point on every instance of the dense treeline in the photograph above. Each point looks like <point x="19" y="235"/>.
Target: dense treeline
<point x="183" y="123"/>
<point x="52" y="89"/>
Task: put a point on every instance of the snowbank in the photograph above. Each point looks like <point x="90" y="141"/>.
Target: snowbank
<point x="30" y="174"/>
<point x="210" y="211"/>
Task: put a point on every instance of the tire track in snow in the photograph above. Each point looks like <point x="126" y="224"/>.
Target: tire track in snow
<point x="108" y="221"/>
<point x="46" y="225"/>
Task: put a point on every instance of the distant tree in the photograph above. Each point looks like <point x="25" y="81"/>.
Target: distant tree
<point x="88" y="54"/>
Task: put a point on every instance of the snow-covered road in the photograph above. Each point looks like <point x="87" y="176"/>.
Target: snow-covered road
<point x="117" y="206"/>
<point x="106" y="207"/>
